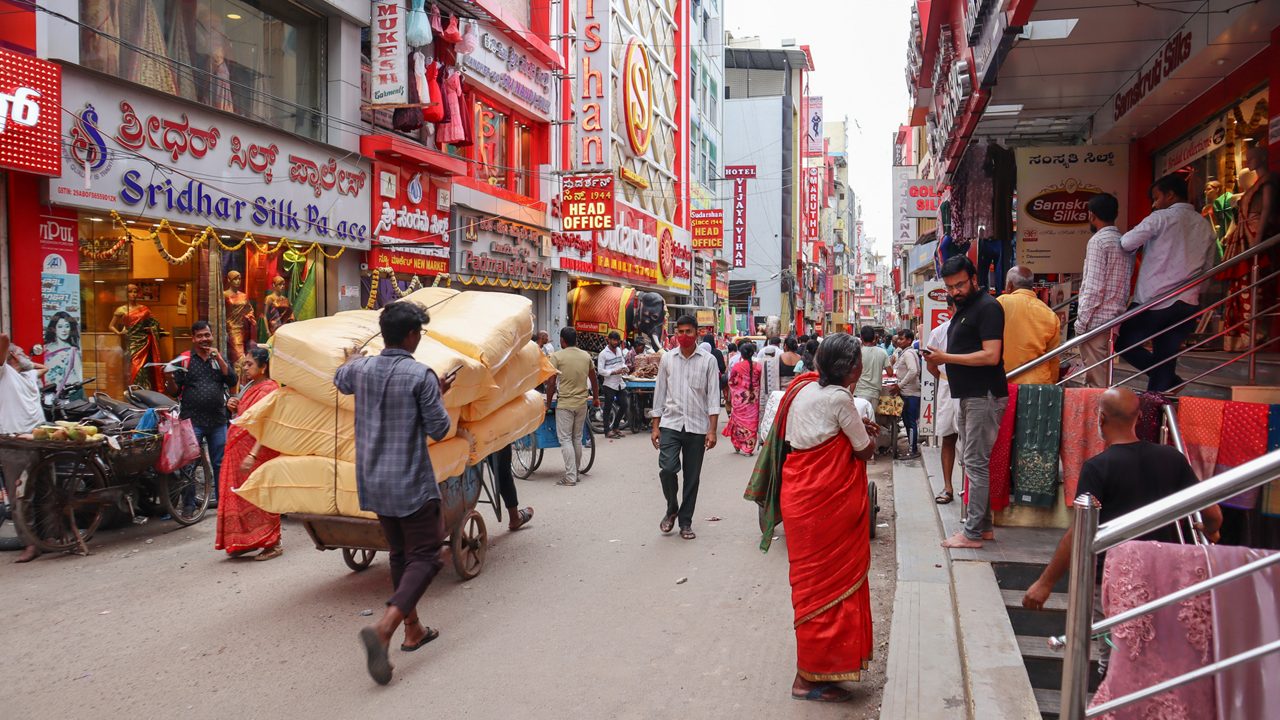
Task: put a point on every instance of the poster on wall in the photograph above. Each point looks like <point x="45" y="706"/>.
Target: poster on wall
<point x="935" y="313"/>
<point x="813" y="126"/>
<point x="60" y="299"/>
<point x="1054" y="187"/>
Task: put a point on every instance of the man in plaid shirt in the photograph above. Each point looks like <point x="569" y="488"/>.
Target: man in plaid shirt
<point x="398" y="407"/>
<point x="1104" y="292"/>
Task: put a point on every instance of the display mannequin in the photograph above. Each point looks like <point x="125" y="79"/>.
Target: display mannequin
<point x="1218" y="209"/>
<point x="134" y="321"/>
<point x="241" y="320"/>
<point x="277" y="307"/>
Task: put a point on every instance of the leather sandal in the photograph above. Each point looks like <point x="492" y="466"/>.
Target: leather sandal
<point x="519" y="518"/>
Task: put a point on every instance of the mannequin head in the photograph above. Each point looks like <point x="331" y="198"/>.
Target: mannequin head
<point x="277" y="285"/>
<point x="233" y="280"/>
<point x="1212" y="190"/>
<point x="131" y="292"/>
<point x="1256" y="158"/>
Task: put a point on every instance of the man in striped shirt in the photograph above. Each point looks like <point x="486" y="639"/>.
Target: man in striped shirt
<point x="1104" y="291"/>
<point x="686" y="412"/>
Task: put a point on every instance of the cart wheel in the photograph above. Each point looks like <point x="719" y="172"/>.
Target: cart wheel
<point x="588" y="451"/>
<point x="595" y="419"/>
<point x="537" y="457"/>
<point x="873" y="507"/>
<point x="489" y="483"/>
<point x="186" y="492"/>
<point x="56" y="510"/>
<point x="469" y="542"/>
<point x="357" y="560"/>
<point x="524" y="456"/>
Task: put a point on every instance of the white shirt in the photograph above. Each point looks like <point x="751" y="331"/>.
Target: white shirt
<point x="611" y="365"/>
<point x="20" y="409"/>
<point x="908" y="368"/>
<point x="548" y="349"/>
<point x="818" y="413"/>
<point x="938" y="339"/>
<point x="1179" y="244"/>
<point x="686" y="392"/>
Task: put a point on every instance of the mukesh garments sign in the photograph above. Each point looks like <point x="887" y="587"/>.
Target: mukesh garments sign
<point x="707" y="229"/>
<point x="30" y="114"/>
<point x="1054" y="187"/>
<point x="739" y="174"/>
<point x="389" y="76"/>
<point x="586" y="202"/>
<point x="410" y="221"/>
<point x="225" y="172"/>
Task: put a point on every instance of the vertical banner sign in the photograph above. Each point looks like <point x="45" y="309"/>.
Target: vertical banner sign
<point x="410" y="228"/>
<point x="1054" y="188"/>
<point x="739" y="174"/>
<point x="813" y="126"/>
<point x="586" y="202"/>
<point x="935" y="313"/>
<point x="813" y="204"/>
<point x="904" y="224"/>
<point x="60" y="299"/>
<point x="592" y="96"/>
<point x="389" y="79"/>
<point x="707" y="228"/>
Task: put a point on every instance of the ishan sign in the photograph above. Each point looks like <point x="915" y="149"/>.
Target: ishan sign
<point x="592" y="99"/>
<point x="707" y="228"/>
<point x="586" y="202"/>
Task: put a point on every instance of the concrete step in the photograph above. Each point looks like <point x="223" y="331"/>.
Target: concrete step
<point x="1057" y="601"/>
<point x="1044" y="666"/>
<point x="1020" y="576"/>
<point x="1041" y="623"/>
<point x="998" y="683"/>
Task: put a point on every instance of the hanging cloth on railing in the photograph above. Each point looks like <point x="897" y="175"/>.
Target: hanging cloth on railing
<point x="1080" y="438"/>
<point x="1271" y="491"/>
<point x="1150" y="415"/>
<point x="1037" y="437"/>
<point x="1244" y="617"/>
<point x="1244" y="426"/>
<point x="1201" y="422"/>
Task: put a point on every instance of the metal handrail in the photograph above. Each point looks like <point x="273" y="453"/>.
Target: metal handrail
<point x="1253" y="252"/>
<point x="1089" y="539"/>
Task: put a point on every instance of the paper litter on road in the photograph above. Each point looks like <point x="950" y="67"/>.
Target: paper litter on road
<point x="682" y="581"/>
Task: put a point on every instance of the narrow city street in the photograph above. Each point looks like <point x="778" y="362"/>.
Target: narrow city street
<point x="587" y="613"/>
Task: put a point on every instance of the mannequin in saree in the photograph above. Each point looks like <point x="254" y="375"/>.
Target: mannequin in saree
<point x="241" y="322"/>
<point x="277" y="306"/>
<point x="141" y="331"/>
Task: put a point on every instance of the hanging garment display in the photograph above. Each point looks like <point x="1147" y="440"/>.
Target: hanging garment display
<point x="452" y="33"/>
<point x="434" y="111"/>
<point x="1080" y="439"/>
<point x="1036" y="441"/>
<point x="418" y="30"/>
<point x="1246" y="425"/>
<point x="435" y="20"/>
<point x="451" y="130"/>
<point x="470" y="37"/>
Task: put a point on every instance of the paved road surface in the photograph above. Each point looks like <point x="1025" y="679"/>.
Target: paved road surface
<point x="577" y="616"/>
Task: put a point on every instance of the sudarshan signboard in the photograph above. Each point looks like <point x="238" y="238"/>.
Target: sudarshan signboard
<point x="30" y="114"/>
<point x="586" y="202"/>
<point x="707" y="229"/>
<point x="1054" y="188"/>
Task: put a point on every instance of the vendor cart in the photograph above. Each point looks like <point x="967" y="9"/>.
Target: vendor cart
<point x="360" y="539"/>
<point x="528" y="451"/>
<point x="640" y="402"/>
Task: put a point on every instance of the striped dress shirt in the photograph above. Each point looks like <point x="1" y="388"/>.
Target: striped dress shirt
<point x="687" y="391"/>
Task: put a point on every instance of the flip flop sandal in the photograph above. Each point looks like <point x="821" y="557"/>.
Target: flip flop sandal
<point x="944" y="498"/>
<point x="667" y="523"/>
<point x="818" y="694"/>
<point x="688" y="533"/>
<point x="270" y="553"/>
<point x="376" y="656"/>
<point x="520" y="519"/>
<point x="432" y="634"/>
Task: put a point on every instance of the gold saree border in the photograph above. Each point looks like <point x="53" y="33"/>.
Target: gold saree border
<point x="843" y="596"/>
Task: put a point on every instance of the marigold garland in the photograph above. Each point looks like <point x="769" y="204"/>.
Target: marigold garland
<point x="415" y="284"/>
<point x="207" y="236"/>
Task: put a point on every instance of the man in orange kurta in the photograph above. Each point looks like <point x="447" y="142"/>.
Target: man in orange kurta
<point x="1031" y="329"/>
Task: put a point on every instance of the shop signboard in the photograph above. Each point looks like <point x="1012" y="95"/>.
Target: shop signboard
<point x="410" y="223"/>
<point x="922" y="255"/>
<point x="637" y="97"/>
<point x="500" y="67"/>
<point x="935" y="313"/>
<point x="1054" y="187"/>
<point x="813" y="126"/>
<point x="707" y="229"/>
<point x="644" y="249"/>
<point x="904" y="223"/>
<point x="500" y="250"/>
<point x="60" y="297"/>
<point x="152" y="155"/>
<point x="389" y="78"/>
<point x="30" y="114"/>
<point x="1206" y="140"/>
<point x="923" y="199"/>
<point x="592" y="97"/>
<point x="813" y="204"/>
<point x="739" y="174"/>
<point x="586" y="202"/>
<point x="1169" y="61"/>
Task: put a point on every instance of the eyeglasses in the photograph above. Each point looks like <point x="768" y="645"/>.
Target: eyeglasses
<point x="960" y="285"/>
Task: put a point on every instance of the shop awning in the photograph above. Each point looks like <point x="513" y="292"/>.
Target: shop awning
<point x="393" y="148"/>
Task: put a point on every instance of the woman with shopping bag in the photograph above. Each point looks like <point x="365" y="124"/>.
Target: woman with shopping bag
<point x="242" y="527"/>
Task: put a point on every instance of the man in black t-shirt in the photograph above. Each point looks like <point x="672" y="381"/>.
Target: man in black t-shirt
<point x="201" y="387"/>
<point x="975" y="369"/>
<point x="1128" y="475"/>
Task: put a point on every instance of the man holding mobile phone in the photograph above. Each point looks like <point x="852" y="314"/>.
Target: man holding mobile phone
<point x="201" y="384"/>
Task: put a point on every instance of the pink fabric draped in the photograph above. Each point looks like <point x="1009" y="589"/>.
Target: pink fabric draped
<point x="1080" y="438"/>
<point x="1200" y="420"/>
<point x="1244" y="617"/>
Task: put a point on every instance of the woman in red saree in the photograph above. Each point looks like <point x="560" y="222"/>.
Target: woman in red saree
<point x="823" y="500"/>
<point x="242" y="527"/>
<point x="744" y="395"/>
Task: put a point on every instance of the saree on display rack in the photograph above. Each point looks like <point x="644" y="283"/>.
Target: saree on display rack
<point x="1036" y="443"/>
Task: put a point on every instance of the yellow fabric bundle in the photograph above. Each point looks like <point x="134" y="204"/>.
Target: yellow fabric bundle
<point x="324" y="486"/>
<point x="527" y="368"/>
<point x="305" y="355"/>
<point x="510" y="423"/>
<point x="486" y="326"/>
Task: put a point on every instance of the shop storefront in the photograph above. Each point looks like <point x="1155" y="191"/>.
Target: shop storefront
<point x="181" y="213"/>
<point x="496" y="254"/>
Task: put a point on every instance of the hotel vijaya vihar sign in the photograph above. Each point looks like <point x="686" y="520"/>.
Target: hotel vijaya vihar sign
<point x="501" y="250"/>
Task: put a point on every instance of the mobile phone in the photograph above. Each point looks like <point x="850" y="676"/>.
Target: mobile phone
<point x="926" y="352"/>
<point x="452" y="374"/>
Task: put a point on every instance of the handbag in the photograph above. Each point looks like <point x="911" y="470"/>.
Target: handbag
<point x="178" y="444"/>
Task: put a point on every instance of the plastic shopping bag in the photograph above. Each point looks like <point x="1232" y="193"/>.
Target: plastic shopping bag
<point x="178" y="446"/>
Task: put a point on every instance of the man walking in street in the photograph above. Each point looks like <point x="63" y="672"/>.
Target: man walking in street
<point x="577" y="373"/>
<point x="399" y="406"/>
<point x="1104" y="291"/>
<point x="201" y="386"/>
<point x="686" y="412"/>
<point x="1031" y="329"/>
<point x="611" y="364"/>
<point x="976" y="373"/>
<point x="908" y="369"/>
<point x="1177" y="244"/>
<point x="874" y="359"/>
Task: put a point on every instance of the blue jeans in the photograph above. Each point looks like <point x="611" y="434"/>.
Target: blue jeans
<point x="911" y="419"/>
<point x="215" y="438"/>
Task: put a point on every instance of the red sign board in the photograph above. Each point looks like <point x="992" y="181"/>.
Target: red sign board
<point x="30" y="114"/>
<point x="707" y="227"/>
<point x="739" y="174"/>
<point x="813" y="204"/>
<point x="410" y="221"/>
<point x="586" y="202"/>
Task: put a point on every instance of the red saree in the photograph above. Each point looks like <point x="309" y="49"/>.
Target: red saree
<point x="141" y="328"/>
<point x="824" y="510"/>
<point x="241" y="525"/>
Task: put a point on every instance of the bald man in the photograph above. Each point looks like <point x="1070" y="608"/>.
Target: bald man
<point x="1031" y="329"/>
<point x="1128" y="475"/>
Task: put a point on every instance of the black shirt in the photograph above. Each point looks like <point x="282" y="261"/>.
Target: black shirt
<point x="201" y="390"/>
<point x="981" y="319"/>
<point x="1126" y="477"/>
